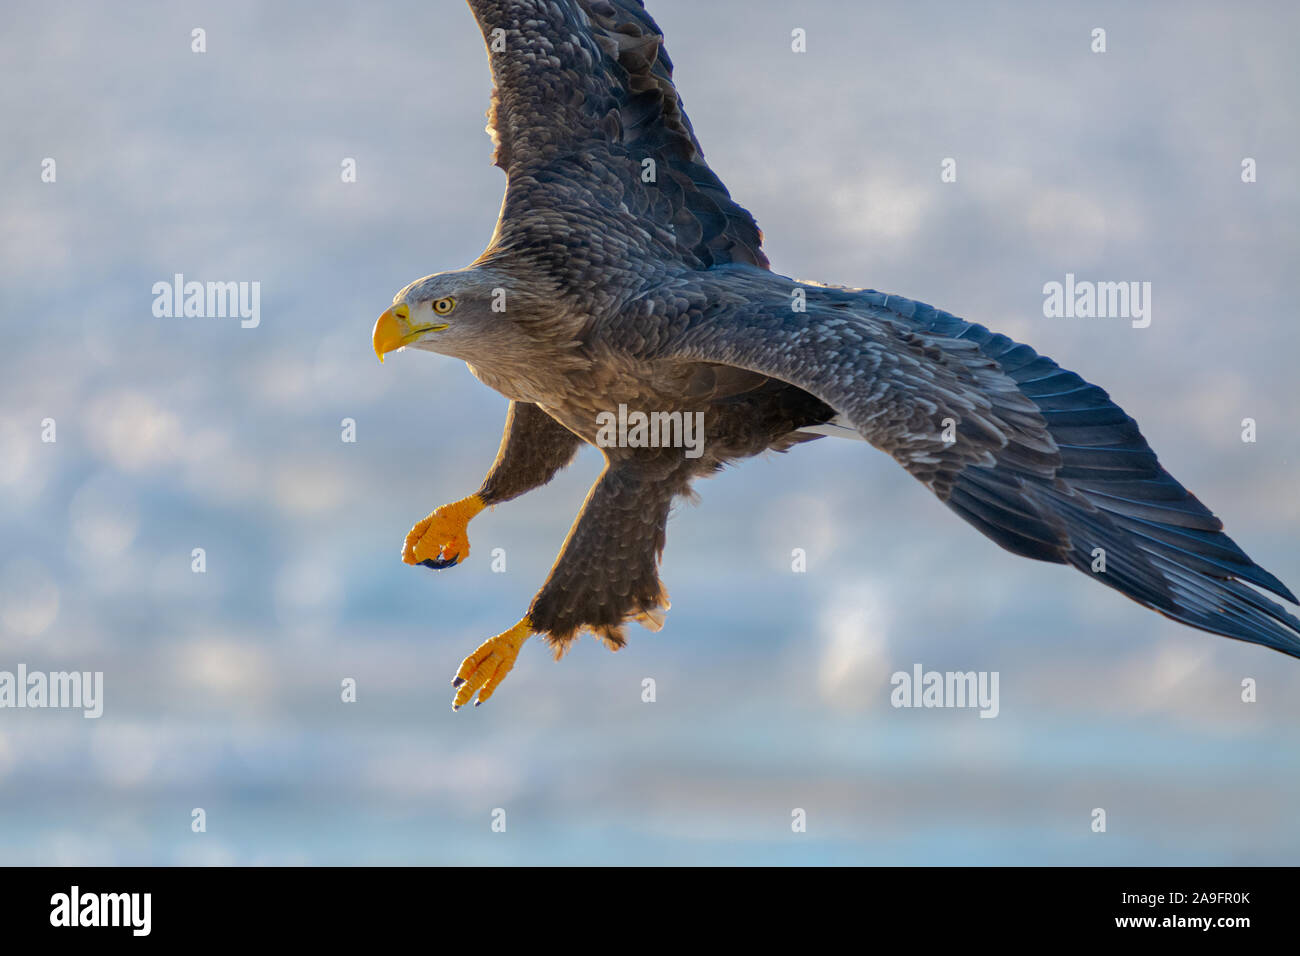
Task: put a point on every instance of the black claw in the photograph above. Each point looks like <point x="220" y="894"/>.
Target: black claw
<point x="478" y="703"/>
<point x="455" y="707"/>
<point x="457" y="681"/>
<point x="439" y="563"/>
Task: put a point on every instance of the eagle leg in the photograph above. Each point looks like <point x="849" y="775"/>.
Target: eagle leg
<point x="534" y="446"/>
<point x="608" y="571"/>
<point x="606" y="574"/>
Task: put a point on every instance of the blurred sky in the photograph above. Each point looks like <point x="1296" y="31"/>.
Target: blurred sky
<point x="222" y="689"/>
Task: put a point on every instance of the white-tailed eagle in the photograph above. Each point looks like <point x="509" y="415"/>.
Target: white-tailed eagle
<point x="623" y="277"/>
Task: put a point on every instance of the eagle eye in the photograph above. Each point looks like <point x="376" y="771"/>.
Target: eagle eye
<point x="444" y="306"/>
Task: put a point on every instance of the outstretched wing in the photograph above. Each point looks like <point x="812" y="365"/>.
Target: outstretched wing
<point x="591" y="133"/>
<point x="1036" y="458"/>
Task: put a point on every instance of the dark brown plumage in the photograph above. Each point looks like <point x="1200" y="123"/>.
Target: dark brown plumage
<point x="621" y="273"/>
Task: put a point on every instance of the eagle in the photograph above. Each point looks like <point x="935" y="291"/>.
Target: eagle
<point x="623" y="279"/>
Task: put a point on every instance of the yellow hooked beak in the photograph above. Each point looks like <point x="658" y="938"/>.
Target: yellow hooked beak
<point x="393" y="330"/>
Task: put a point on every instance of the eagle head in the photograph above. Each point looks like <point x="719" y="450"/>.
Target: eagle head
<point x="462" y="314"/>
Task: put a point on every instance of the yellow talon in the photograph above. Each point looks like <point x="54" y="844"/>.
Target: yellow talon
<point x="485" y="669"/>
<point x="440" y="540"/>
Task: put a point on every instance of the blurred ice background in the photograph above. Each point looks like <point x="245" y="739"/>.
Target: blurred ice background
<point x="222" y="689"/>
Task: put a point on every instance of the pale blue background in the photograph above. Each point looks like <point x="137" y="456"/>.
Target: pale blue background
<point x="223" y="689"/>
